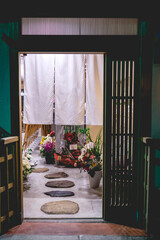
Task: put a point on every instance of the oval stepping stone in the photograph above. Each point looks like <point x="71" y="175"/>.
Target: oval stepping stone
<point x="40" y="170"/>
<point x="60" y="184"/>
<point x="59" y="193"/>
<point x="60" y="207"/>
<point x="56" y="175"/>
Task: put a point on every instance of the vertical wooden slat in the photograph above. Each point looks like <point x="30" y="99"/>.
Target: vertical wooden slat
<point x="122" y="131"/>
<point x="130" y="136"/>
<point x="112" y="87"/>
<point x="6" y="186"/>
<point x="0" y="198"/>
<point x="145" y="181"/>
<point x="118" y="130"/>
<point x="14" y="176"/>
<point x="147" y="185"/>
<point x="17" y="180"/>
<point x="126" y="130"/>
<point x="114" y="131"/>
<point x="107" y="135"/>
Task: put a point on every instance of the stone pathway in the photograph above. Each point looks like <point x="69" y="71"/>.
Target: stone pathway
<point x="60" y="184"/>
<point x="59" y="207"/>
<point x="88" y="200"/>
<point x="56" y="175"/>
<point x="60" y="193"/>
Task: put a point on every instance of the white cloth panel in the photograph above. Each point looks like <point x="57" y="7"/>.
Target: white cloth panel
<point x="79" y="26"/>
<point x="69" y="89"/>
<point x="38" y="89"/>
<point x="94" y="89"/>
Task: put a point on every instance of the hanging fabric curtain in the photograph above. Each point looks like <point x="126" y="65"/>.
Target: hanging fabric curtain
<point x="94" y="89"/>
<point x="69" y="89"/>
<point x="38" y="89"/>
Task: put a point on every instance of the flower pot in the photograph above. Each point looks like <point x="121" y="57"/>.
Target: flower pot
<point x="95" y="180"/>
<point x="49" y="159"/>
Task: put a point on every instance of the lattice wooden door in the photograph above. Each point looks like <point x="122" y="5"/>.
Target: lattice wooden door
<point x="121" y="139"/>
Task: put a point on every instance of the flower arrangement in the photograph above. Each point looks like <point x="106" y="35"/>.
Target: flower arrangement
<point x="48" y="146"/>
<point x="26" y="165"/>
<point x="91" y="159"/>
<point x="71" y="138"/>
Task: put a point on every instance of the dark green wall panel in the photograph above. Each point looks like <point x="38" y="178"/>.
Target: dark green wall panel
<point x="156" y="112"/>
<point x="5" y="116"/>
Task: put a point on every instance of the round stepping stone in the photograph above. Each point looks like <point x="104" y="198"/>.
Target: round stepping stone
<point x="60" y="184"/>
<point x="60" y="207"/>
<point x="56" y="175"/>
<point x="60" y="193"/>
<point x="40" y="170"/>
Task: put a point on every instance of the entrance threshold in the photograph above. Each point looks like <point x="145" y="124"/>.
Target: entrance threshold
<point x="70" y="220"/>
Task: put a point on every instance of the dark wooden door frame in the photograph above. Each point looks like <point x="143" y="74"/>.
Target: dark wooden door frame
<point x="115" y="46"/>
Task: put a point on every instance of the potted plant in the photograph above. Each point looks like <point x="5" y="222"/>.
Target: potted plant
<point x="48" y="147"/>
<point x="91" y="159"/>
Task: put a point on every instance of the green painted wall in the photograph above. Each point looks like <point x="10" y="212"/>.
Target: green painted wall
<point x="5" y="114"/>
<point x="8" y="75"/>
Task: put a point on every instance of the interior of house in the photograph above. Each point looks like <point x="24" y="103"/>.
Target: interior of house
<point x="62" y="135"/>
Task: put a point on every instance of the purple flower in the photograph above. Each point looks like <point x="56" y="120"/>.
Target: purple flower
<point x="49" y="146"/>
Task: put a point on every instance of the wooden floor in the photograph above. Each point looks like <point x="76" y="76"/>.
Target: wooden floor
<point x="48" y="228"/>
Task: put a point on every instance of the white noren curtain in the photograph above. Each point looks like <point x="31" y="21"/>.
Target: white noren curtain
<point x="38" y="89"/>
<point x="69" y="89"/>
<point x="94" y="89"/>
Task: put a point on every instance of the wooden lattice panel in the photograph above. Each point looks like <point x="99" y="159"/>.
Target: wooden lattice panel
<point x="8" y="181"/>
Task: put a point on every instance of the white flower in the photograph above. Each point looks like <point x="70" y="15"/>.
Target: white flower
<point x="25" y="162"/>
<point x="83" y="151"/>
<point x="80" y="157"/>
<point x="28" y="166"/>
<point x="89" y="145"/>
<point x="48" y="139"/>
<point x="28" y="156"/>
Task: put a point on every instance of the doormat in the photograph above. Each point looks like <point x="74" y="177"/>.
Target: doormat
<point x="60" y="207"/>
<point x="40" y="170"/>
<point x="56" y="175"/>
<point x="60" y="193"/>
<point x="60" y="184"/>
